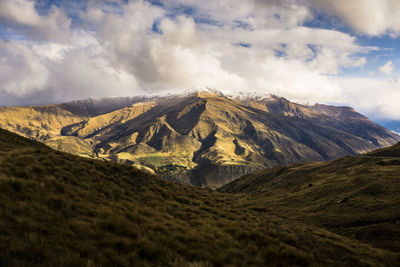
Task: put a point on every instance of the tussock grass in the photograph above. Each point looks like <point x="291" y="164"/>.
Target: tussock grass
<point x="354" y="196"/>
<point x="58" y="209"/>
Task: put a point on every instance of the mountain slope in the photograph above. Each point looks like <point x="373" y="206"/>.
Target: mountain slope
<point x="40" y="123"/>
<point x="207" y="139"/>
<point x="45" y="122"/>
<point x="388" y="152"/>
<point x="63" y="210"/>
<point x="356" y="196"/>
<point x="219" y="139"/>
<point x="94" y="107"/>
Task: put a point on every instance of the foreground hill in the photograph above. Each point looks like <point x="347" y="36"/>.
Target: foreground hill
<point x="356" y="196"/>
<point x="202" y="138"/>
<point x="57" y="209"/>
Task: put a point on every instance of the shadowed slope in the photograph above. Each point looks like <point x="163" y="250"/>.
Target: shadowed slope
<point x="393" y="151"/>
<point x="11" y="141"/>
<point x="354" y="196"/>
<point x="59" y="209"/>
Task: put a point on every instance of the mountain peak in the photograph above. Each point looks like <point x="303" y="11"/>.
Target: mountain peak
<point x="203" y="92"/>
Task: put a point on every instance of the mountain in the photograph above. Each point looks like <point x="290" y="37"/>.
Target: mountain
<point x="44" y="123"/>
<point x="58" y="209"/>
<point x="40" y="123"/>
<point x="94" y="107"/>
<point x="200" y="138"/>
<point x="355" y="196"/>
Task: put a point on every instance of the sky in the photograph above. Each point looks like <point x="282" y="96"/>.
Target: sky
<point x="336" y="52"/>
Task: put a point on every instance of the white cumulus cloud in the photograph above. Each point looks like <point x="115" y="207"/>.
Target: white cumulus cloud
<point x="387" y="68"/>
<point x="371" y="17"/>
<point x="22" y="15"/>
<point x="264" y="46"/>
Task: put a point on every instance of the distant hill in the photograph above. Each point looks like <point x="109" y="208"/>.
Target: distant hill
<point x="95" y="107"/>
<point x="45" y="122"/>
<point x="201" y="138"/>
<point x="57" y="209"/>
<point x="356" y="196"/>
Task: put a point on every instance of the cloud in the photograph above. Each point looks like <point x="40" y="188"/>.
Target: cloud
<point x="247" y="13"/>
<point x="22" y="16"/>
<point x="21" y="70"/>
<point x="182" y="57"/>
<point x="50" y="72"/>
<point x="376" y="97"/>
<point x="370" y="17"/>
<point x="125" y="48"/>
<point x="387" y="68"/>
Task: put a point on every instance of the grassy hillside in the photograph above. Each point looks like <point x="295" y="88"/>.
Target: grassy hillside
<point x="57" y="209"/>
<point x="393" y="151"/>
<point x="355" y="196"/>
<point x="38" y="122"/>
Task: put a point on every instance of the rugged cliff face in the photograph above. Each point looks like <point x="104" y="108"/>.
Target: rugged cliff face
<point x="206" y="138"/>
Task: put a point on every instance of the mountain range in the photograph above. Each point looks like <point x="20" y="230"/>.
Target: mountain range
<point x="200" y="138"/>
